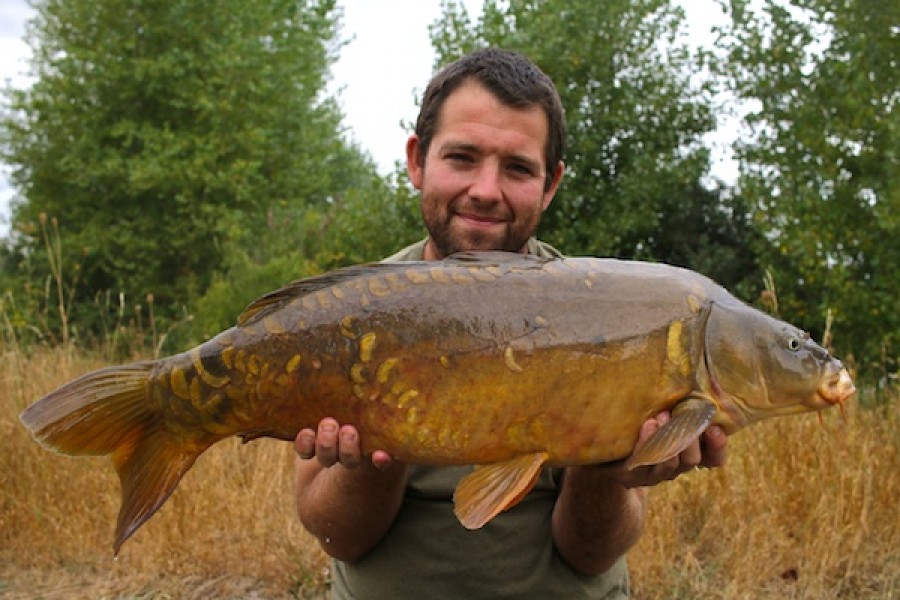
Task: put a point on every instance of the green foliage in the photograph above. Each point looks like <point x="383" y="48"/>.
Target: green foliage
<point x="709" y="231"/>
<point x="371" y="223"/>
<point x="820" y="167"/>
<point x="373" y="219"/>
<point x="160" y="134"/>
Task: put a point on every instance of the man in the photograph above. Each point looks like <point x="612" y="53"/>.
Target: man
<point x="486" y="156"/>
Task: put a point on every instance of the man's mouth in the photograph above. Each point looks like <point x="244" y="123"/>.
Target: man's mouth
<point x="480" y="221"/>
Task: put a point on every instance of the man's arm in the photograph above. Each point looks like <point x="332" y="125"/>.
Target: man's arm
<point x="347" y="503"/>
<point x="601" y="509"/>
<point x="350" y="504"/>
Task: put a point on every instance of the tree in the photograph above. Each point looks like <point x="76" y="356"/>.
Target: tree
<point x="637" y="107"/>
<point x="820" y="167"/>
<point x="164" y="135"/>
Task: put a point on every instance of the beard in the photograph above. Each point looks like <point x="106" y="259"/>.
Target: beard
<point x="449" y="234"/>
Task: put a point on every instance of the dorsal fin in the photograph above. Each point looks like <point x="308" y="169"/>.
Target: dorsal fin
<point x="276" y="299"/>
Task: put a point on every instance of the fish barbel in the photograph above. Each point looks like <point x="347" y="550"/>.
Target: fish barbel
<point x="502" y="360"/>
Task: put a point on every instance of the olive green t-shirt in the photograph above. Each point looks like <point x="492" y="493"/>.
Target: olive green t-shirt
<point x="427" y="554"/>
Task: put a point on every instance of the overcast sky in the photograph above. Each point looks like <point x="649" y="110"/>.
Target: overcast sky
<point x="379" y="73"/>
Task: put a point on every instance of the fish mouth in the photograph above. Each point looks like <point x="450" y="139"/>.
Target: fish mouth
<point x="837" y="389"/>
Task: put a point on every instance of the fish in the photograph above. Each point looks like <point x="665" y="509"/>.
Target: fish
<point x="501" y="360"/>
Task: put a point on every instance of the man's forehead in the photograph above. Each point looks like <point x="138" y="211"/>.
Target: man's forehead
<point x="472" y="105"/>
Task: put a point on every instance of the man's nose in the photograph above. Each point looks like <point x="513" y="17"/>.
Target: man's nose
<point x="486" y="185"/>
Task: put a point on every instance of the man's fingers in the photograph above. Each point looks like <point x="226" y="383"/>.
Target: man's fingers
<point x="714" y="443"/>
<point x="333" y="443"/>
<point x="690" y="457"/>
<point x="305" y="443"/>
<point x="348" y="446"/>
<point x="381" y="459"/>
<point x="327" y="442"/>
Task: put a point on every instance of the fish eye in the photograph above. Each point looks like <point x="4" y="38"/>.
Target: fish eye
<point x="793" y="344"/>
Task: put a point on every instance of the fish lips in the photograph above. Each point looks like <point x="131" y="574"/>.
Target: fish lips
<point x="836" y="389"/>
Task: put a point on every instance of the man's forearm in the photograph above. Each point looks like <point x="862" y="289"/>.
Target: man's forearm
<point x="349" y="510"/>
<point x="596" y="520"/>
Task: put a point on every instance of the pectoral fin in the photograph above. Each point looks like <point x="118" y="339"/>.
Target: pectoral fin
<point x="491" y="489"/>
<point x="689" y="419"/>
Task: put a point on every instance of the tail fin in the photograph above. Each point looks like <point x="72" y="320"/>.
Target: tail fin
<point x="108" y="412"/>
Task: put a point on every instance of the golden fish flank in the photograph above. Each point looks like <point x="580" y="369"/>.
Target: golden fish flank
<point x="309" y="303"/>
<point x="526" y="434"/>
<point x="386" y="369"/>
<point x="482" y="275"/>
<point x="615" y="341"/>
<point x="196" y="391"/>
<point x="395" y="283"/>
<point x="367" y="346"/>
<point x="510" y="358"/>
<point x="179" y="384"/>
<point x="359" y="392"/>
<point x="377" y="287"/>
<point x="214" y="381"/>
<point x="458" y="276"/>
<point x="324" y="299"/>
<point x="357" y="373"/>
<point x="677" y="351"/>
<point x="439" y="275"/>
<point x="695" y="304"/>
<point x="253" y="365"/>
<point x="162" y="395"/>
<point x="347" y="327"/>
<point x="417" y="277"/>
<point x="406" y="397"/>
<point x="227" y="357"/>
<point x="240" y="358"/>
<point x="293" y="364"/>
<point x="272" y="324"/>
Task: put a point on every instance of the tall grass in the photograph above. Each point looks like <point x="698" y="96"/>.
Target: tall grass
<point x="801" y="510"/>
<point x="229" y="531"/>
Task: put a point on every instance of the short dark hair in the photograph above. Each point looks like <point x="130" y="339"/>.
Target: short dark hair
<point x="514" y="80"/>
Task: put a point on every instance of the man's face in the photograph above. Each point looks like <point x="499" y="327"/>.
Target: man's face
<point x="482" y="181"/>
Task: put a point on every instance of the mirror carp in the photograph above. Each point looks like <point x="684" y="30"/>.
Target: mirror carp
<point x="501" y="360"/>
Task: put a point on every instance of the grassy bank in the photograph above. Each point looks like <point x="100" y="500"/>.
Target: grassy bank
<point x="802" y="510"/>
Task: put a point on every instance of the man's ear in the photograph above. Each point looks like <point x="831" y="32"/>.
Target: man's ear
<point x="415" y="163"/>
<point x="554" y="185"/>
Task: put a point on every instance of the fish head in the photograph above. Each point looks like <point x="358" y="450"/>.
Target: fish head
<point x="761" y="367"/>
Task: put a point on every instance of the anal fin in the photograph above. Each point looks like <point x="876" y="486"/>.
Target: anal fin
<point x="491" y="489"/>
<point x="690" y="418"/>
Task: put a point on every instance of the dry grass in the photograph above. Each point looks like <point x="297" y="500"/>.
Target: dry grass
<point x="800" y="511"/>
<point x="229" y="530"/>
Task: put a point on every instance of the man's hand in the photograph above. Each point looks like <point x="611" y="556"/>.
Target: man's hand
<point x="346" y="502"/>
<point x="601" y="510"/>
<point x="707" y="451"/>
<point x="333" y="443"/>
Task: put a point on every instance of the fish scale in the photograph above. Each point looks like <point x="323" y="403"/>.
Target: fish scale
<point x="503" y="360"/>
